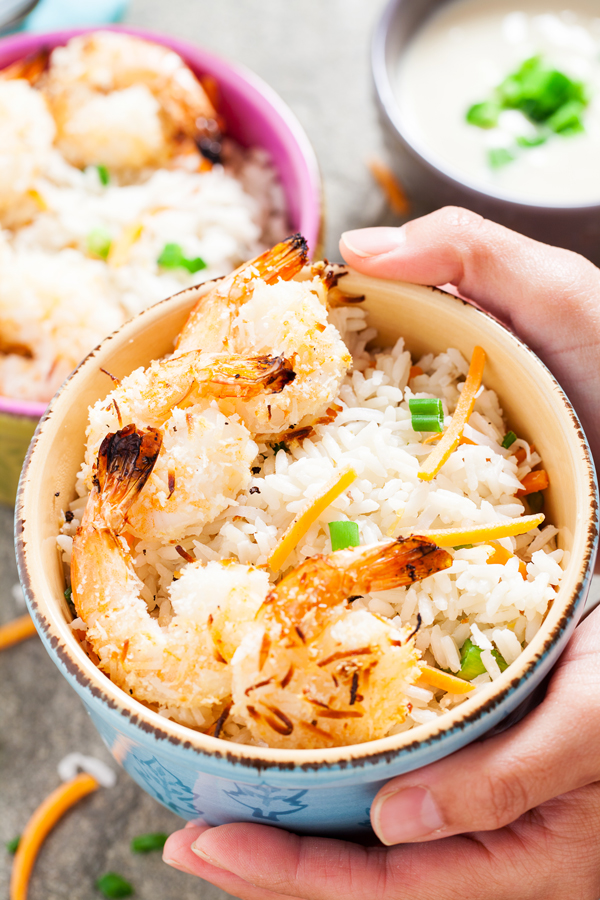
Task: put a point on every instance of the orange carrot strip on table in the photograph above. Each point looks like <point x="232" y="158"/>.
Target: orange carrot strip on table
<point x="464" y="408"/>
<point x="40" y="824"/>
<point x="17" y="630"/>
<point x="391" y="187"/>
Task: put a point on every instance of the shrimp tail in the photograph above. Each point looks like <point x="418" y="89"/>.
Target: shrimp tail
<point x="398" y="564"/>
<point x="31" y="68"/>
<point x="284" y="260"/>
<point x="125" y="462"/>
<point x="246" y="377"/>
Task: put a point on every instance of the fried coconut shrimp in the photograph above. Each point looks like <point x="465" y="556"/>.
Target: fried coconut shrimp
<point x="312" y="673"/>
<point x="259" y="309"/>
<point x="124" y="102"/>
<point x="205" y="457"/>
<point x="26" y="136"/>
<point x="182" y="668"/>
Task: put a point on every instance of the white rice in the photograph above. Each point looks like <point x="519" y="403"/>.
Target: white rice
<point x="490" y="604"/>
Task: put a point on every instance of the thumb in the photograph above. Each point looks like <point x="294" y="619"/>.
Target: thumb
<point x="490" y="784"/>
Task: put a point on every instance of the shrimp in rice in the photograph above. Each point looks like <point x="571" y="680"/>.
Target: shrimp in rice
<point x="276" y="302"/>
<point x="311" y="672"/>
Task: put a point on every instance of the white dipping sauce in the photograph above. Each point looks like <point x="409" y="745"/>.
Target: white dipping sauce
<point x="461" y="54"/>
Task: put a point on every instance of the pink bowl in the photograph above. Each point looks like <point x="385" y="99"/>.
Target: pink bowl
<point x="255" y="115"/>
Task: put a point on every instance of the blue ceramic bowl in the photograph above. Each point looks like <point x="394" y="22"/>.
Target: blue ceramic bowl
<point x="307" y="791"/>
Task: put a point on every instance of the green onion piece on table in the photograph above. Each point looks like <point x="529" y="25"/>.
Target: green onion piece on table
<point x="343" y="534"/>
<point x="470" y="661"/>
<point x="173" y="257"/>
<point x="98" y="242"/>
<point x="146" y="843"/>
<point x="103" y="174"/>
<point x="535" y="501"/>
<point x="13" y="845"/>
<point x="113" y="885"/>
<point x="426" y="413"/>
<point x="509" y="439"/>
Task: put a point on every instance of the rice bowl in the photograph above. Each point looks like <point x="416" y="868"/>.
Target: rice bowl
<point x="284" y="771"/>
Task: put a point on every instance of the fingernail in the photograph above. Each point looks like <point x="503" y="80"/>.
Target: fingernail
<point x="406" y="815"/>
<point x="195" y="823"/>
<point x="209" y="859"/>
<point x="366" y="242"/>
<point x="177" y="865"/>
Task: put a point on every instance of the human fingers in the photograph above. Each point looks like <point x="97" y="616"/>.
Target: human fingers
<point x="549" y="296"/>
<point x="178" y="853"/>
<point x="308" y="868"/>
<point x="490" y="784"/>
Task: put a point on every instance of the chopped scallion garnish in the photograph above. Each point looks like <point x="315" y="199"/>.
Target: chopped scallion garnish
<point x="550" y="99"/>
<point x="463" y="547"/>
<point x="509" y="439"/>
<point x="280" y="445"/>
<point x="471" y="664"/>
<point x="103" y="174"/>
<point x="146" y="843"/>
<point x="426" y="413"/>
<point x="98" y="242"/>
<point x="499" y="156"/>
<point x="343" y="534"/>
<point x="113" y="885"/>
<point x="173" y="257"/>
<point x="13" y="845"/>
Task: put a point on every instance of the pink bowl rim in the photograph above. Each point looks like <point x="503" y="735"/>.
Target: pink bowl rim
<point x="280" y="117"/>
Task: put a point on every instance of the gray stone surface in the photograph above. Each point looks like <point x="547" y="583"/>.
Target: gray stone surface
<point x="315" y="54"/>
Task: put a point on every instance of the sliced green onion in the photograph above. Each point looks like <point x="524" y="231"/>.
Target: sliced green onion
<point x="425" y="406"/>
<point x="567" y="118"/>
<point x="470" y="661"/>
<point x="426" y="413"/>
<point x="146" y="843"/>
<point x="103" y="174"/>
<point x="98" y="242"/>
<point x="463" y="547"/>
<point x="173" y="257"/>
<point x="343" y="534"/>
<point x="426" y="423"/>
<point x="113" y="885"/>
<point x="509" y="439"/>
<point x="499" y="156"/>
<point x="535" y="141"/>
<point x="13" y="845"/>
<point x="535" y="501"/>
<point x="483" y="115"/>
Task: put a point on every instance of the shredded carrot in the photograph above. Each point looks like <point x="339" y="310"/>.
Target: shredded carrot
<point x="500" y="557"/>
<point x="464" y="408"/>
<point x="521" y="454"/>
<point x="391" y="187"/>
<point x="120" y="247"/>
<point x="392" y="528"/>
<point x="445" y="681"/>
<point x="211" y="89"/>
<point x="304" y="520"/>
<point x="534" y="481"/>
<point x="40" y="824"/>
<point x="436" y="437"/>
<point x="414" y="371"/>
<point x="17" y="630"/>
<point x="478" y="534"/>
